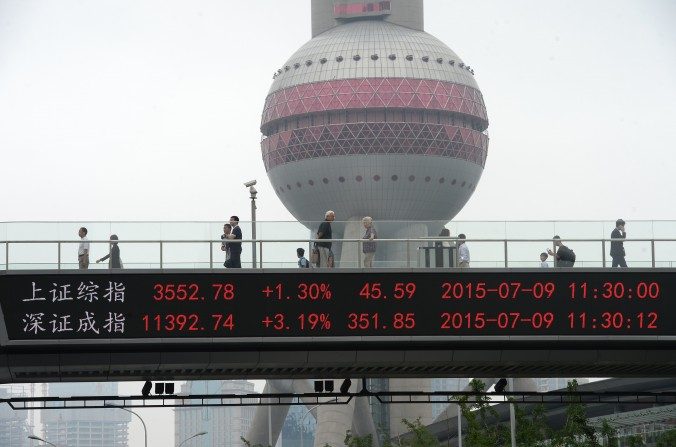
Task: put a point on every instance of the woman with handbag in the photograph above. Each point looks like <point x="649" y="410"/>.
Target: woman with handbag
<point x="369" y="245"/>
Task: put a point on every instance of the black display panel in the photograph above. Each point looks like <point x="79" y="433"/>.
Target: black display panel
<point x="306" y="303"/>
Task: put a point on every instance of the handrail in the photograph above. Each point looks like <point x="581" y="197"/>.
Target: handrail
<point x="424" y="242"/>
<point x="420" y="239"/>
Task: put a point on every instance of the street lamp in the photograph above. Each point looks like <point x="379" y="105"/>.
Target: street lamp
<point x="202" y="433"/>
<point x="37" y="438"/>
<point x="145" y="429"/>
<point x="302" y="426"/>
<point x="253" y="193"/>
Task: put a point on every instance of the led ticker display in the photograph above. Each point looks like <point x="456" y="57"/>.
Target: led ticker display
<point x="302" y="304"/>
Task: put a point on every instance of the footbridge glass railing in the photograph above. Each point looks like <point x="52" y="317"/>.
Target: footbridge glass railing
<point x="192" y="245"/>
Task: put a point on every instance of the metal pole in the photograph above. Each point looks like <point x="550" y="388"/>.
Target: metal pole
<point x="652" y="252"/>
<point x="161" y="254"/>
<point x="505" y="242"/>
<point x="603" y="252"/>
<point x="359" y="248"/>
<point x="253" y="230"/>
<point x="7" y="255"/>
<point x="269" y="425"/>
<point x="512" y="416"/>
<point x="37" y="438"/>
<point x="260" y="253"/>
<point x="459" y="426"/>
<point x="408" y="254"/>
<point x="193" y="436"/>
<point x="58" y="249"/>
<point x="211" y="255"/>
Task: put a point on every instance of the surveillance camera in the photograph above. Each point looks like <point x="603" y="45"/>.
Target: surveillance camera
<point x="250" y="184"/>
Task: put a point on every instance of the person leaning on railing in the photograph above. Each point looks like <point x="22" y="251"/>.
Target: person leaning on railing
<point x="563" y="256"/>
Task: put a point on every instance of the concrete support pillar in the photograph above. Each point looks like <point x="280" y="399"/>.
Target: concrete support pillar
<point x="410" y="412"/>
<point x="268" y="421"/>
<point x="333" y="421"/>
<point x="362" y="424"/>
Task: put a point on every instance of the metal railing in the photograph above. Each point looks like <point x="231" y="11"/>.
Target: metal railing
<point x="155" y="253"/>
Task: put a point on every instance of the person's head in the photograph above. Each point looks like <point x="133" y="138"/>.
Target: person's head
<point x="82" y="232"/>
<point x="557" y="240"/>
<point x="543" y="256"/>
<point x="113" y="237"/>
<point x="445" y="232"/>
<point x="367" y="222"/>
<point x="462" y="238"/>
<point x="234" y="221"/>
<point x="330" y="216"/>
<point x="619" y="224"/>
<point x="300" y="252"/>
<point x="227" y="228"/>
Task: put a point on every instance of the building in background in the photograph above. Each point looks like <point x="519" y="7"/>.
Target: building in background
<point x="225" y="426"/>
<point x="448" y="384"/>
<point x="14" y="424"/>
<point x="95" y="427"/>
<point x="299" y="422"/>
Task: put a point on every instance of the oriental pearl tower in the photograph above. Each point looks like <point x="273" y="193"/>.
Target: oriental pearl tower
<point x="374" y="117"/>
<point x="371" y="117"/>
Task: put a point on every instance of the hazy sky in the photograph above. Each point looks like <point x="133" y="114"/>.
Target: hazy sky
<point x="128" y="109"/>
<point x="140" y="109"/>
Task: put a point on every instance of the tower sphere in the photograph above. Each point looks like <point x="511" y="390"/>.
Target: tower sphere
<point x="373" y="118"/>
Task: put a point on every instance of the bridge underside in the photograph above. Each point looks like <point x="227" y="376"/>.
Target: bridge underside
<point x="98" y="363"/>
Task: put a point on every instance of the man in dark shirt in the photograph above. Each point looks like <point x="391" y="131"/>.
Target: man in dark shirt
<point x="324" y="232"/>
<point x="235" y="247"/>
<point x="617" y="247"/>
<point x="563" y="256"/>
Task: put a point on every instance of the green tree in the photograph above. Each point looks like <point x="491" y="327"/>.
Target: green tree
<point x="248" y="443"/>
<point x="576" y="432"/>
<point x="608" y="433"/>
<point x="483" y="427"/>
<point x="666" y="439"/>
<point x="531" y="429"/>
<point x="358" y="441"/>
<point x="635" y="441"/>
<point x="422" y="437"/>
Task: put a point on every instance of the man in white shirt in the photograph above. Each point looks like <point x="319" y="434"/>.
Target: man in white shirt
<point x="463" y="252"/>
<point x="83" y="249"/>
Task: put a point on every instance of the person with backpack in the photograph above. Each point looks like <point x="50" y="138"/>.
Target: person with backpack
<point x="563" y="256"/>
<point x="302" y="260"/>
